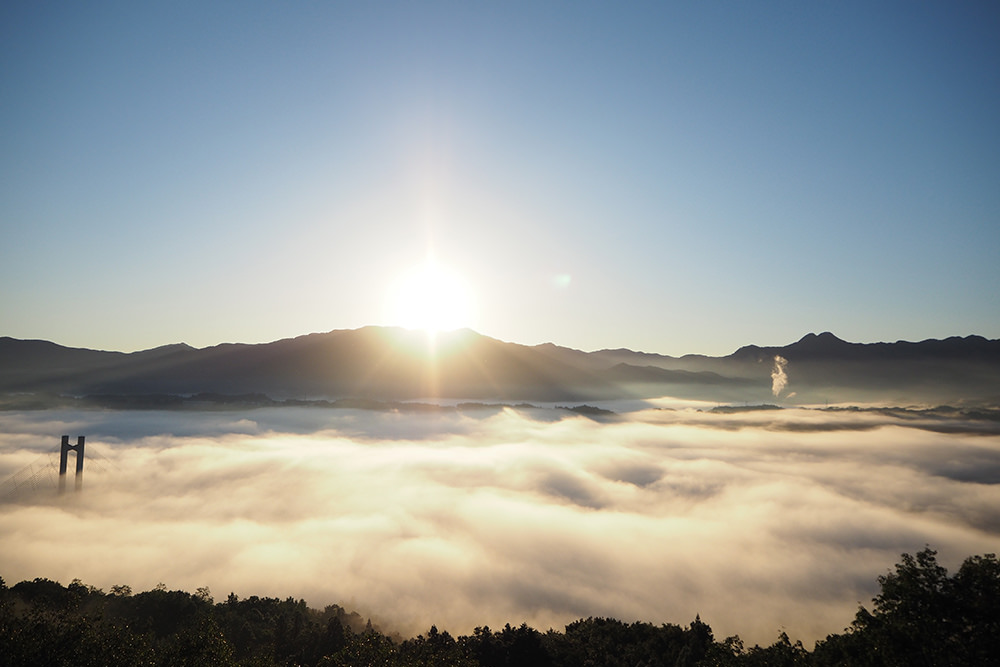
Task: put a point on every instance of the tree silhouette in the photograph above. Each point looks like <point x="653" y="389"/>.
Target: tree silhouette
<point x="921" y="616"/>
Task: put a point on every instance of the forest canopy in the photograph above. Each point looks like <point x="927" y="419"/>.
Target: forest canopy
<point x="921" y="616"/>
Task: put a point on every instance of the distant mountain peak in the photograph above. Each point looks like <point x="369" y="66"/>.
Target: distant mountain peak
<point x="825" y="340"/>
<point x="171" y="347"/>
<point x="825" y="337"/>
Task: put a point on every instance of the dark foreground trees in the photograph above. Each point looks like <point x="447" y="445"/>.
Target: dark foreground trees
<point x="920" y="617"/>
<point x="924" y="617"/>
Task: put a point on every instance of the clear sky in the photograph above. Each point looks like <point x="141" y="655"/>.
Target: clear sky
<point x="669" y="177"/>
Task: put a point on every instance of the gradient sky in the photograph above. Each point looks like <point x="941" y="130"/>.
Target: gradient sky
<point x="674" y="178"/>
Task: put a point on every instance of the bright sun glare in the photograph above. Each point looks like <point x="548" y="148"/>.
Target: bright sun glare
<point x="431" y="297"/>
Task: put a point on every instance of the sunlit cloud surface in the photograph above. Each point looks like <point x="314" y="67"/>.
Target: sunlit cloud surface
<point x="759" y="522"/>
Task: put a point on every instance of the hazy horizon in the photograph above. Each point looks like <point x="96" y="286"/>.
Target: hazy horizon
<point x="433" y="334"/>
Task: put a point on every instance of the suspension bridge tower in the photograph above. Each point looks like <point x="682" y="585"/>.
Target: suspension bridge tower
<point x="63" y="455"/>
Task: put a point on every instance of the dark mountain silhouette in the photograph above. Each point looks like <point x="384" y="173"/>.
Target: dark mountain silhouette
<point x="956" y="370"/>
<point x="395" y="364"/>
<point x="369" y="362"/>
<point x="656" y="375"/>
<point x="824" y="368"/>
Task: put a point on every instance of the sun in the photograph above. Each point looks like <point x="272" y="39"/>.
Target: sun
<point x="430" y="297"/>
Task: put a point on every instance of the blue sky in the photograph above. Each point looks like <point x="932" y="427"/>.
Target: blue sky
<point x="670" y="177"/>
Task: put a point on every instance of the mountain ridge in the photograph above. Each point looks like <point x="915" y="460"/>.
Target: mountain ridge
<point x="398" y="364"/>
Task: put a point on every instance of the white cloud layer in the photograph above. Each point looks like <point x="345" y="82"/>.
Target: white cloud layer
<point x="757" y="521"/>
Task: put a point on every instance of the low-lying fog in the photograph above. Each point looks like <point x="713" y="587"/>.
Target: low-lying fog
<point x="759" y="521"/>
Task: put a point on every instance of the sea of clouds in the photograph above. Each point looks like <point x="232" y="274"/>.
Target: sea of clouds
<point x="758" y="521"/>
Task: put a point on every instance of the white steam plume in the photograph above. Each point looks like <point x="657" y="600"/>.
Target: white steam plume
<point x="778" y="377"/>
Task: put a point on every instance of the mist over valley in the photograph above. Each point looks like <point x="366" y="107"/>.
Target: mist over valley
<point x="538" y="485"/>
